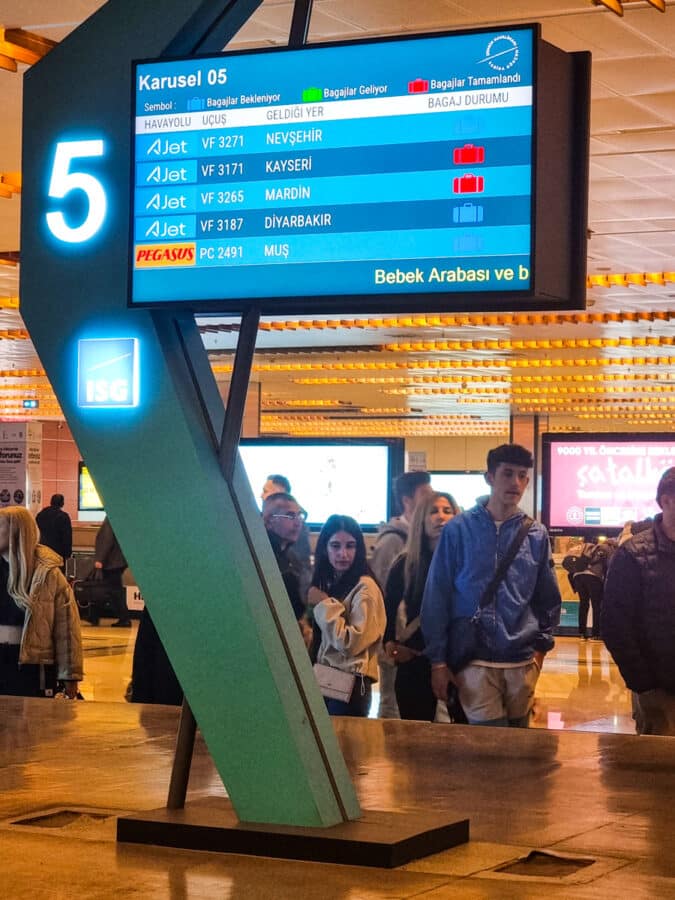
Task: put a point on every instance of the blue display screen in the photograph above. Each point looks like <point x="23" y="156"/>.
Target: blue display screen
<point x="365" y="169"/>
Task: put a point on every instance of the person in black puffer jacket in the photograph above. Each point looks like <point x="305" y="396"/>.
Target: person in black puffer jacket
<point x="638" y="622"/>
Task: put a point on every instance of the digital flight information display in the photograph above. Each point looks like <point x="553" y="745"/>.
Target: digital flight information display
<point x="365" y="169"/>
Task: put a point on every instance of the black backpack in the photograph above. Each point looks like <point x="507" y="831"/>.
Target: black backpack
<point x="573" y="563"/>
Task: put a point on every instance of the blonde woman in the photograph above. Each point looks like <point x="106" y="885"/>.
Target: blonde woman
<point x="40" y="641"/>
<point x="403" y="640"/>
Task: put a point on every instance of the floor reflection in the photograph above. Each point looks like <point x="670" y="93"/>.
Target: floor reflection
<point x="580" y="688"/>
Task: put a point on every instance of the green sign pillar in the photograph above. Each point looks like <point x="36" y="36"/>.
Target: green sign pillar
<point x="151" y="438"/>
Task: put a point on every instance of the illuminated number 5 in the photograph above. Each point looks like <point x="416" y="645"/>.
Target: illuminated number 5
<point x="63" y="182"/>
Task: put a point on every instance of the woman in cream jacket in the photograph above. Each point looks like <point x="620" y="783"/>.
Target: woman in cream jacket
<point x="349" y="610"/>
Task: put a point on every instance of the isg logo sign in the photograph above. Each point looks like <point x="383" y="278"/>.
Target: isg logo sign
<point x="108" y="373"/>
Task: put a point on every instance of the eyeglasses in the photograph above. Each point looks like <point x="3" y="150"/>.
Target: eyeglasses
<point x="291" y="515"/>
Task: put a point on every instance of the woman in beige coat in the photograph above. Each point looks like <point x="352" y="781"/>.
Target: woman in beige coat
<point x="40" y="640"/>
<point x="349" y="610"/>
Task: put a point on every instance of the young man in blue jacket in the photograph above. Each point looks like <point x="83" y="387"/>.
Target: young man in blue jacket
<point x="515" y="629"/>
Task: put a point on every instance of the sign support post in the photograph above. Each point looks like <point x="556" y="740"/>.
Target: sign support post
<point x="139" y="396"/>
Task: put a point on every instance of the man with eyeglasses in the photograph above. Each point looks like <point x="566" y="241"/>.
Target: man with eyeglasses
<point x="284" y="519"/>
<point x="302" y="548"/>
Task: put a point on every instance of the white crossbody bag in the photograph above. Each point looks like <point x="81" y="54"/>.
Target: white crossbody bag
<point x="334" y="683"/>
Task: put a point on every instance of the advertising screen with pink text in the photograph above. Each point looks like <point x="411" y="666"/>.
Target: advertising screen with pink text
<point x="599" y="482"/>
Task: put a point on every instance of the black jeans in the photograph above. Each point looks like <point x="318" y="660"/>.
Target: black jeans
<point x="118" y="596"/>
<point x="590" y="589"/>
<point x="26" y="680"/>
<point x="413" y="690"/>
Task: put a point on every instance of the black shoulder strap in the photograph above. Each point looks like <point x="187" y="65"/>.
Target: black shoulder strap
<point x="503" y="566"/>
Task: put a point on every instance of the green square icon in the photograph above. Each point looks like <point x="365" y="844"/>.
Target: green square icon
<point x="312" y="95"/>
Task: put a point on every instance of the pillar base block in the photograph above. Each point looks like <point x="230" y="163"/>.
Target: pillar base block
<point x="379" y="838"/>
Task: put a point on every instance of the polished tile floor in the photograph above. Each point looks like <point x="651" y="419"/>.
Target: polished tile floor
<point x="580" y="688"/>
<point x="599" y="802"/>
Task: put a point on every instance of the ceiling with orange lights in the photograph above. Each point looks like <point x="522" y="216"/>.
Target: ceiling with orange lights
<point x="608" y="368"/>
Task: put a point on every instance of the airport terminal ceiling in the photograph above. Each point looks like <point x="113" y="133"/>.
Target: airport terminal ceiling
<point x="608" y="368"/>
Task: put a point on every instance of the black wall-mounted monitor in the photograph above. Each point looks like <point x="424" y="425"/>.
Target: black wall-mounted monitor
<point x="595" y="482"/>
<point x="351" y="477"/>
<point x="435" y="172"/>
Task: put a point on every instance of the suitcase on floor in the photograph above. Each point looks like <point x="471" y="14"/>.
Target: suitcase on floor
<point x="96" y="599"/>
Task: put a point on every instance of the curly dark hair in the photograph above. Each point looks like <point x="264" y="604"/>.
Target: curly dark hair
<point x="515" y="454"/>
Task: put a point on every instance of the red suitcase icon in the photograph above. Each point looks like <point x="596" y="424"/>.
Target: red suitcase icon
<point x="468" y="155"/>
<point x="418" y="86"/>
<point x="468" y="184"/>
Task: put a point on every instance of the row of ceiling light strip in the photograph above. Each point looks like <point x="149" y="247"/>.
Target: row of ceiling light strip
<point x="44" y="410"/>
<point x="14" y="334"/>
<point x="458" y="390"/>
<point x="507" y="378"/>
<point x="543" y="395"/>
<point x="8" y="390"/>
<point x="537" y="344"/>
<point x="428" y="421"/>
<point x="600" y="402"/>
<point x="567" y="427"/>
<point x="476" y="320"/>
<point x="593" y="407"/>
<point x="386" y="429"/>
<point x="412" y="365"/>
<point x="664" y="422"/>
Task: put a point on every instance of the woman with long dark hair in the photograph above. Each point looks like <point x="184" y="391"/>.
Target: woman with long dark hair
<point x="349" y="610"/>
<point x="403" y="641"/>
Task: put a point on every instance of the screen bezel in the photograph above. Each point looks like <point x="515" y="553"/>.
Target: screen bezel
<point x="536" y="297"/>
<point x="549" y="439"/>
<point x="395" y="463"/>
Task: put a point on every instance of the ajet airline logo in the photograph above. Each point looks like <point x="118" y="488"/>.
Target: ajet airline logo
<point x="164" y="255"/>
<point x="108" y="373"/>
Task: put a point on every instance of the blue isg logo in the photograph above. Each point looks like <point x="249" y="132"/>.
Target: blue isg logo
<point x="108" y="373"/>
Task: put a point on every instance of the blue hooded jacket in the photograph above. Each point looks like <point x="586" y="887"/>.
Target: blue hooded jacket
<point x="527" y="603"/>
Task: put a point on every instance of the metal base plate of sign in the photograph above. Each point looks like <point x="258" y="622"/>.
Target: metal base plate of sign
<point x="379" y="838"/>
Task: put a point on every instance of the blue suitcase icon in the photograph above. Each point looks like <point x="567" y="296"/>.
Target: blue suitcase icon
<point x="468" y="243"/>
<point x="467" y="213"/>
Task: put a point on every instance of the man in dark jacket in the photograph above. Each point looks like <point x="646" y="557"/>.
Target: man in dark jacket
<point x="283" y="519"/>
<point x="638" y="620"/>
<point x="56" y="530"/>
<point x="302" y="548"/>
<point x="111" y="562"/>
